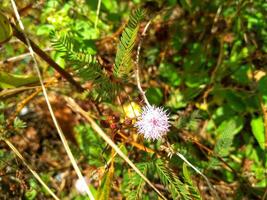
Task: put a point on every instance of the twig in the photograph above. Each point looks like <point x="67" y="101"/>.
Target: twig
<point x="137" y="63"/>
<point x="19" y="57"/>
<point x="209" y="87"/>
<point x="30" y="169"/>
<point x="199" y="172"/>
<point x="135" y="144"/>
<point x="20" y="35"/>
<point x="9" y="92"/>
<point x="75" y="107"/>
<point x="62" y="137"/>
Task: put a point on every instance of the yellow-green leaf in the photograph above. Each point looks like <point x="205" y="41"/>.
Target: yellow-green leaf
<point x="12" y="81"/>
<point x="257" y="126"/>
<point x="5" y="29"/>
<point x="104" y="190"/>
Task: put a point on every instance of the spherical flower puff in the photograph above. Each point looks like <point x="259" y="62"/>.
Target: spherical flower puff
<point x="153" y="122"/>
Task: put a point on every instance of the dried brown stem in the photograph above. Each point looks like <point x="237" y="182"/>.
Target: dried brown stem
<point x="17" y="33"/>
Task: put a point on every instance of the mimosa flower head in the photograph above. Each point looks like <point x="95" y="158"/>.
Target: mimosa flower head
<point x="153" y="122"/>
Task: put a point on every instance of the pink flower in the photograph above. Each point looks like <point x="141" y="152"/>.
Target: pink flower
<point x="153" y="122"/>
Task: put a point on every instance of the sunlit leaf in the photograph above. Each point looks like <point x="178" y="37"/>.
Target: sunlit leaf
<point x="257" y="126"/>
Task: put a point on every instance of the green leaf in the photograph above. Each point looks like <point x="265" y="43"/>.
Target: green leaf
<point x="154" y="95"/>
<point x="223" y="113"/>
<point x="235" y="100"/>
<point x="33" y="190"/>
<point x="104" y="189"/>
<point x="262" y="88"/>
<point x="241" y="75"/>
<point x="45" y="29"/>
<point x="123" y="60"/>
<point x="5" y="29"/>
<point x="226" y="131"/>
<point x="111" y="6"/>
<point x="85" y="65"/>
<point x="12" y="80"/>
<point x="134" y="184"/>
<point x="31" y="194"/>
<point x="193" y="189"/>
<point x="186" y="4"/>
<point x="176" y="100"/>
<point x="169" y="73"/>
<point x="196" y="79"/>
<point x="177" y="188"/>
<point x="90" y="144"/>
<point x="257" y="126"/>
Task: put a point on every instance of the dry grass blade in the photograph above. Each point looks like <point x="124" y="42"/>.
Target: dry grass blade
<point x="97" y="12"/>
<point x="30" y="169"/>
<point x="75" y="107"/>
<point x="62" y="137"/>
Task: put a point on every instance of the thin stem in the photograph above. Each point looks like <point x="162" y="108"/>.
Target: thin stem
<point x="170" y="151"/>
<point x="137" y="63"/>
<point x="199" y="172"/>
<point x="62" y="137"/>
<point x="18" y="58"/>
<point x="13" y="91"/>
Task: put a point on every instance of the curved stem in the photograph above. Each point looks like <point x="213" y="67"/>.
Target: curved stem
<point x="137" y="63"/>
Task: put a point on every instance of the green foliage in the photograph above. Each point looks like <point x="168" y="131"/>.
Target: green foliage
<point x="226" y="132"/>
<point x="192" y="188"/>
<point x="134" y="184"/>
<point x="85" y="65"/>
<point x="104" y="190"/>
<point x="154" y="96"/>
<point x="5" y="29"/>
<point x="33" y="190"/>
<point x="203" y="60"/>
<point x="90" y="144"/>
<point x="178" y="189"/>
<point x="8" y="80"/>
<point x="123" y="61"/>
<point x="257" y="126"/>
<point x="262" y="89"/>
<point x="189" y="121"/>
<point x="19" y="124"/>
<point x="169" y="73"/>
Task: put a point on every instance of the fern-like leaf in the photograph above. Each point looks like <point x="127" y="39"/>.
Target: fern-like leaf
<point x="85" y="66"/>
<point x="123" y="60"/>
<point x="226" y="131"/>
<point x="178" y="189"/>
<point x="191" y="187"/>
<point x="136" y="184"/>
